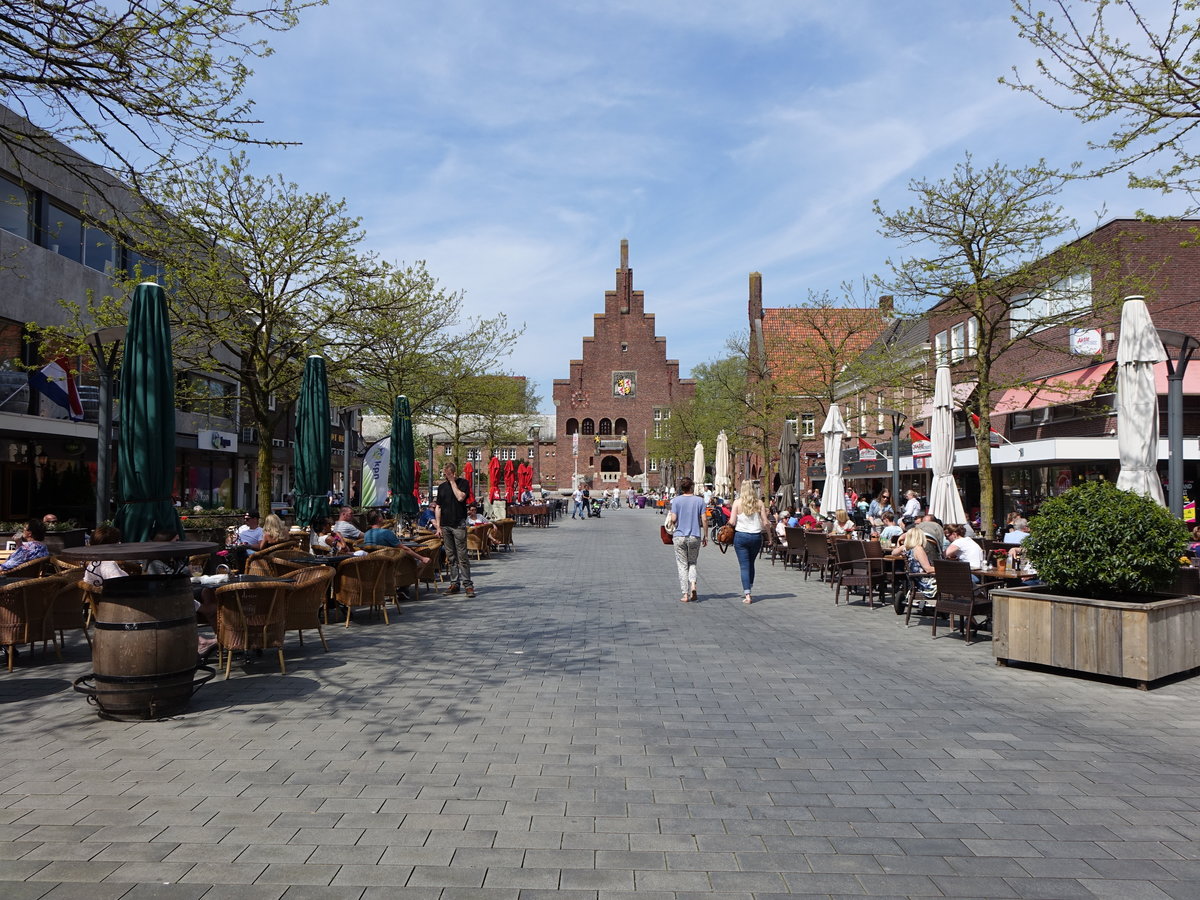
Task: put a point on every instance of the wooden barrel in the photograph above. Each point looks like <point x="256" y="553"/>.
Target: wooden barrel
<point x="144" y="649"/>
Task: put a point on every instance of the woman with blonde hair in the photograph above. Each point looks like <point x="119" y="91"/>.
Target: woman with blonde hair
<point x="274" y="530"/>
<point x="747" y="517"/>
<point x="842" y="523"/>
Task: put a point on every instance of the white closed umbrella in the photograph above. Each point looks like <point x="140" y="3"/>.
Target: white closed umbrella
<point x="723" y="477"/>
<point x="698" y="467"/>
<point x="944" y="501"/>
<point x="834" y="495"/>
<point x="1137" y="401"/>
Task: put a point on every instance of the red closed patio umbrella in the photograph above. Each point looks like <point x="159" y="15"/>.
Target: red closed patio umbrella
<point x="510" y="481"/>
<point x="417" y="481"/>
<point x="494" y="480"/>
<point x="469" y="474"/>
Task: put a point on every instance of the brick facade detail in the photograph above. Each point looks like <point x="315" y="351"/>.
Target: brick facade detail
<point x="612" y="394"/>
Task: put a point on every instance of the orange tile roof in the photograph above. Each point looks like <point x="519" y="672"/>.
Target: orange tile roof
<point x="804" y="344"/>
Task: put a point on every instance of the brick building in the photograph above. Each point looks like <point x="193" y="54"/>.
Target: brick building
<point x="607" y="409"/>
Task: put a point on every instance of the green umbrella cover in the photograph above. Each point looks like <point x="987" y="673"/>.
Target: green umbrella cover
<point x="404" y="454"/>
<point x="146" y="452"/>
<point x="310" y="493"/>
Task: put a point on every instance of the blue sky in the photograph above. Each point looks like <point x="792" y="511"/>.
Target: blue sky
<point x="512" y="144"/>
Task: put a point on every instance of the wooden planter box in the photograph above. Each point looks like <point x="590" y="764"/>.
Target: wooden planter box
<point x="1141" y="642"/>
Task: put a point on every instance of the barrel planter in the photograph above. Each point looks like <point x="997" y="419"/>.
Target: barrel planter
<point x="1141" y="642"/>
<point x="144" y="648"/>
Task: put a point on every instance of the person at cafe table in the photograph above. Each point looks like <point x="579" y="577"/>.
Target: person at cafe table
<point x="31" y="546"/>
<point x="963" y="547"/>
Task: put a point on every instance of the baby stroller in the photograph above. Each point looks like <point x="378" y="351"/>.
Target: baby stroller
<point x="594" y="507"/>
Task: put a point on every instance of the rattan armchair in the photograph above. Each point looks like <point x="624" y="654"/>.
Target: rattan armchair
<point x="477" y="540"/>
<point x="362" y="581"/>
<point x="251" y="616"/>
<point x="503" y="533"/>
<point x="958" y="595"/>
<point x="32" y="568"/>
<point x="306" y="601"/>
<point x="26" y="609"/>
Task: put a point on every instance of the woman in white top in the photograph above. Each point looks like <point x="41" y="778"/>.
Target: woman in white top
<point x="747" y="517"/>
<point x="962" y="547"/>
<point x="842" y="524"/>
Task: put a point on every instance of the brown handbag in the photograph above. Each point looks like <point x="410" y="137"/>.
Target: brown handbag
<point x="665" y="535"/>
<point x="725" y="534"/>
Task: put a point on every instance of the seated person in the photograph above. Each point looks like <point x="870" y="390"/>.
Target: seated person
<point x="1194" y="544"/>
<point x="932" y="525"/>
<point x="376" y="534"/>
<point x="322" y="538"/>
<point x="345" y="524"/>
<point x="99" y="571"/>
<point x="962" y="547"/>
<point x="917" y="562"/>
<point x="1020" y="531"/>
<point x="890" y="530"/>
<point x="475" y="517"/>
<point x="842" y="523"/>
<point x="274" y="531"/>
<point x="427" y="517"/>
<point x="810" y="519"/>
<point x="31" y="546"/>
<point x="205" y="599"/>
<point x="250" y="534"/>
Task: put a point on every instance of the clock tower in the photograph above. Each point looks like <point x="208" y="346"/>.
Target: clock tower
<point x="620" y="386"/>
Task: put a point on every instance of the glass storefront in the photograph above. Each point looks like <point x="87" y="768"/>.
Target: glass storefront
<point x="1024" y="488"/>
<point x="205" y="482"/>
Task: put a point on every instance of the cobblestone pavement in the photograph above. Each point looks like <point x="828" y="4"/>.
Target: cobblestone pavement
<point x="577" y="729"/>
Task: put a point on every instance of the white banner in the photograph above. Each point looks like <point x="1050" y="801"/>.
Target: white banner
<point x="375" y="469"/>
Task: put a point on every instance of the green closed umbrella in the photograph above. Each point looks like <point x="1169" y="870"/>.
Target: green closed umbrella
<point x="404" y="455"/>
<point x="311" y="463"/>
<point x="146" y="453"/>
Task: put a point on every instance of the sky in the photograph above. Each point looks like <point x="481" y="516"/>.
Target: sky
<point x="512" y="144"/>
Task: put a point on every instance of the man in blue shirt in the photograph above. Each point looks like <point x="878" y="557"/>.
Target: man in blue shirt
<point x="378" y="535"/>
<point x="31" y="546"/>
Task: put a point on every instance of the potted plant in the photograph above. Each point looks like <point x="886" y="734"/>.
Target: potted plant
<point x="1106" y="558"/>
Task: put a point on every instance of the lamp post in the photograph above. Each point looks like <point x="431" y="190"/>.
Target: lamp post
<point x="1180" y="348"/>
<point x="535" y="432"/>
<point x="897" y="420"/>
<point x="106" y="364"/>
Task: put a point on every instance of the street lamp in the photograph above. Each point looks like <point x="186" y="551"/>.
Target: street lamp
<point x="897" y="420"/>
<point x="1183" y="346"/>
<point x="106" y="364"/>
<point x="534" y="433"/>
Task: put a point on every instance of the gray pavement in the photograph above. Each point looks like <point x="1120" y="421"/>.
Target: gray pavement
<point x="576" y="729"/>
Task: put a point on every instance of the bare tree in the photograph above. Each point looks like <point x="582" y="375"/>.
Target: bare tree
<point x="147" y="83"/>
<point x="1148" y="83"/>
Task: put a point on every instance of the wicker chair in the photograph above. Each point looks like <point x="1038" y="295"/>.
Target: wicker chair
<point x="251" y="616"/>
<point x="958" y="594"/>
<point x="477" y="540"/>
<point x="306" y="601"/>
<point x="26" y="609"/>
<point x="260" y="562"/>
<point x="72" y="607"/>
<point x="855" y="570"/>
<point x="504" y="533"/>
<point x="431" y="572"/>
<point x="817" y="545"/>
<point x="403" y="573"/>
<point x="363" y="581"/>
<point x="34" y="568"/>
<point x="794" y="547"/>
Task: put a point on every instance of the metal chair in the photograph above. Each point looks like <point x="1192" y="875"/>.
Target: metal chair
<point x="795" y="547"/>
<point x="856" y="570"/>
<point x="817" y="547"/>
<point x="958" y="594"/>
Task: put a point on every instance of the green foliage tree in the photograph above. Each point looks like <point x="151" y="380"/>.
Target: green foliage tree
<point x="150" y="83"/>
<point x="984" y="248"/>
<point x="1132" y="62"/>
<point x="1098" y="541"/>
<point x="715" y="406"/>
<point x="260" y="275"/>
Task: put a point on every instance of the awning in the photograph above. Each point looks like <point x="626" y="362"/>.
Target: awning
<point x="1056" y="390"/>
<point x="960" y="392"/>
<point x="1191" y="378"/>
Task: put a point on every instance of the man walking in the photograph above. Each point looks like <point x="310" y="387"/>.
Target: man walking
<point x="578" y="498"/>
<point x="451" y="526"/>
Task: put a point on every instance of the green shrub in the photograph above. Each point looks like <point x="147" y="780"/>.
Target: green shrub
<point x="1097" y="541"/>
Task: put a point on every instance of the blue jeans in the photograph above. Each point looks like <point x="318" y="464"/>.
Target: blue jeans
<point x="578" y="510"/>
<point x="747" y="547"/>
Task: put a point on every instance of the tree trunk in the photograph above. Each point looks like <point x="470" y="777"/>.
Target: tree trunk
<point x="983" y="448"/>
<point x="264" y="471"/>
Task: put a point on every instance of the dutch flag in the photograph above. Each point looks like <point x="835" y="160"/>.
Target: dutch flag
<point x="55" y="382"/>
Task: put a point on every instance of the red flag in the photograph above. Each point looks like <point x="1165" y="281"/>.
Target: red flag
<point x="916" y="435"/>
<point x="864" y="444"/>
<point x="994" y="437"/>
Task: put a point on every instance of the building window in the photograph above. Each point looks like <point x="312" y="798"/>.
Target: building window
<point x="808" y="425"/>
<point x="446" y="448"/>
<point x="661" y="415"/>
<point x="605" y="426"/>
<point x="143" y="268"/>
<point x="532" y="453"/>
<point x="620" y="426"/>
<point x="506" y="453"/>
<point x="958" y="342"/>
<point x="474" y="454"/>
<point x="272" y="402"/>
<point x="204" y="396"/>
<point x="14" y="209"/>
<point x="589" y="427"/>
<point x="1066" y="299"/>
<point x="941" y="348"/>
<point x="64" y="234"/>
<point x="624" y="347"/>
<point x="653" y="465"/>
<point x="100" y="251"/>
<point x="572" y="426"/>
